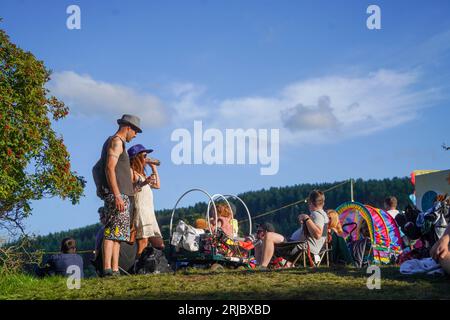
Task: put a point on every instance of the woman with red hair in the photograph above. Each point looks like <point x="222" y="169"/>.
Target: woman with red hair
<point x="224" y="219"/>
<point x="144" y="219"/>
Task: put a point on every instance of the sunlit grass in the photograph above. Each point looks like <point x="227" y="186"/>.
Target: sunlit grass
<point x="321" y="283"/>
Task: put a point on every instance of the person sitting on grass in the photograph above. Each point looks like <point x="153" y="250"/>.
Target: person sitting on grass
<point x="340" y="254"/>
<point x="62" y="263"/>
<point x="312" y="232"/>
<point x="440" y="251"/>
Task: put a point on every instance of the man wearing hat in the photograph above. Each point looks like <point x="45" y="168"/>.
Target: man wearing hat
<point x="116" y="191"/>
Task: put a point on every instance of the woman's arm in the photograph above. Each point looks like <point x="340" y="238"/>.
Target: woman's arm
<point x="133" y="176"/>
<point x="313" y="229"/>
<point x="156" y="184"/>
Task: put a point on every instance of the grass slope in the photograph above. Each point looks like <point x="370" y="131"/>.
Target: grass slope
<point x="321" y="283"/>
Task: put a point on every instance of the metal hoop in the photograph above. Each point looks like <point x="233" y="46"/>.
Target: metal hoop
<point x="182" y="196"/>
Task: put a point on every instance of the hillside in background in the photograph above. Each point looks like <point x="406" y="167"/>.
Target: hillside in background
<point x="370" y="192"/>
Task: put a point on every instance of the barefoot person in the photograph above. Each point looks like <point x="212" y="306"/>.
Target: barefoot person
<point x="116" y="189"/>
<point x="147" y="229"/>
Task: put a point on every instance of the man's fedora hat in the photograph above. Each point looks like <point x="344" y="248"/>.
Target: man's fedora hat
<point x="131" y="120"/>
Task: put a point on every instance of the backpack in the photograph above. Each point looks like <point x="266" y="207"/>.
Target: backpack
<point x="99" y="175"/>
<point x="151" y="261"/>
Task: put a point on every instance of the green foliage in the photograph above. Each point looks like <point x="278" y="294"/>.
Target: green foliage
<point x="19" y="257"/>
<point x="34" y="162"/>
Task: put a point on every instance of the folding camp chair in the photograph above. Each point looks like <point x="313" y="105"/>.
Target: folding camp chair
<point x="318" y="258"/>
<point x="291" y="251"/>
<point x="296" y="251"/>
<point x="359" y="247"/>
<point x="340" y="252"/>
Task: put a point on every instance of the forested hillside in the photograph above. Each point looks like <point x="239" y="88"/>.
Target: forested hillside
<point x="370" y="192"/>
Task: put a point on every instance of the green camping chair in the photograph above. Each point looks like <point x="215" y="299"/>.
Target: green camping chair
<point x="340" y="253"/>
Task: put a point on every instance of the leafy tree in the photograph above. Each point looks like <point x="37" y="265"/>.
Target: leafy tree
<point x="34" y="162"/>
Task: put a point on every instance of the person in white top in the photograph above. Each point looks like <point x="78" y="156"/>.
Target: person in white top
<point x="144" y="219"/>
<point x="390" y="205"/>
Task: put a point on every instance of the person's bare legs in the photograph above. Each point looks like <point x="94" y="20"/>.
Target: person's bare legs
<point x="157" y="242"/>
<point x="142" y="244"/>
<point x="115" y="256"/>
<point x="445" y="263"/>
<point x="107" y="253"/>
<point x="258" y="253"/>
<point x="270" y="239"/>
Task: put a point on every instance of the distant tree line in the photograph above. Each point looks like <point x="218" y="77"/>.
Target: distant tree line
<point x="371" y="192"/>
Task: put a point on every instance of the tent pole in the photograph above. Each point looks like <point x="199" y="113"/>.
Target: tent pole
<point x="351" y="190"/>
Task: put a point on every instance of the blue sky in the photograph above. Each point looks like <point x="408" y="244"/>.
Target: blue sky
<point x="348" y="101"/>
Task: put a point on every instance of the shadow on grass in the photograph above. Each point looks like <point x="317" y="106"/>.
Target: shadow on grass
<point x="304" y="284"/>
<point x="309" y="284"/>
<point x="387" y="272"/>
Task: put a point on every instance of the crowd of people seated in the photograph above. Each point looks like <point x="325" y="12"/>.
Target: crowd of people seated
<point x="128" y="216"/>
<point x="316" y="231"/>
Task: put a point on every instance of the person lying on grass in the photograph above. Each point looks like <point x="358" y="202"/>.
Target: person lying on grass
<point x="440" y="251"/>
<point x="312" y="231"/>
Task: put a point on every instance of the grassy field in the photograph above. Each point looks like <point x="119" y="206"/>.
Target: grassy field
<point x="321" y="283"/>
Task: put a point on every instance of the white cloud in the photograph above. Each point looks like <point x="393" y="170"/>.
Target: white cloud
<point x="320" y="110"/>
<point x="323" y="110"/>
<point x="186" y="102"/>
<point x="87" y="96"/>
<point x="301" y="118"/>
